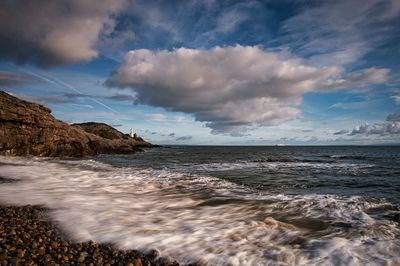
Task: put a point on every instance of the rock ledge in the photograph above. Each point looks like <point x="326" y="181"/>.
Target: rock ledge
<point x="29" y="129"/>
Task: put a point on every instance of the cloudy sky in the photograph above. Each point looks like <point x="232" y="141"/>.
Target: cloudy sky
<point x="211" y="72"/>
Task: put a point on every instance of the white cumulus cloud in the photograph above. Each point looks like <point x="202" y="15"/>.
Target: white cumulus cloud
<point x="231" y="88"/>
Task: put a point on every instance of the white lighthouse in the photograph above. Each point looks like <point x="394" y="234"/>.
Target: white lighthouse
<point x="132" y="133"/>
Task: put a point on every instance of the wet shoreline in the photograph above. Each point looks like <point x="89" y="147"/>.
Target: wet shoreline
<point x="223" y="210"/>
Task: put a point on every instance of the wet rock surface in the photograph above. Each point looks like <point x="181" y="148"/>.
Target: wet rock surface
<point x="29" y="129"/>
<point x="26" y="238"/>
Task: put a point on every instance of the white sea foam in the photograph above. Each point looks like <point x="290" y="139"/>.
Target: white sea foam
<point x="201" y="218"/>
<point x="337" y="167"/>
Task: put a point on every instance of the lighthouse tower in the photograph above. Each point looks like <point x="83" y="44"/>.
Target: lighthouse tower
<point x="132" y="133"/>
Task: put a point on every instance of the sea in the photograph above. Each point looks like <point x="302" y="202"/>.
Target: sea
<point x="218" y="205"/>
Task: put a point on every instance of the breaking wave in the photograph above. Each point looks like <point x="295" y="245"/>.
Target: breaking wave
<point x="199" y="218"/>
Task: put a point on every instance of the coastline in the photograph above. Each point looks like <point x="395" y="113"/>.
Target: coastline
<point x="29" y="129"/>
<point x="27" y="237"/>
<point x="150" y="201"/>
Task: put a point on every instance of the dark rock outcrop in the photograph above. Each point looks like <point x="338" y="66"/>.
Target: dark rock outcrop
<point x="102" y="130"/>
<point x="29" y="129"/>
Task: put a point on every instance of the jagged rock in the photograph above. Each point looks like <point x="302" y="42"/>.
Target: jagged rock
<point x="29" y="129"/>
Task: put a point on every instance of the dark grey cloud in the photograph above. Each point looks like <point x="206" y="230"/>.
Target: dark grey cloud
<point x="341" y="132"/>
<point x="53" y="32"/>
<point x="122" y="98"/>
<point x="59" y="99"/>
<point x="393" y="117"/>
<point x="361" y="129"/>
<point x="184" y="138"/>
<point x="154" y="133"/>
<point x="114" y="44"/>
<point x="170" y="135"/>
<point x="53" y="99"/>
<point x="392" y="128"/>
<point x="75" y="96"/>
<point x="231" y="88"/>
<point x="71" y="97"/>
<point x="43" y="99"/>
<point x="385" y="128"/>
<point x="16" y="79"/>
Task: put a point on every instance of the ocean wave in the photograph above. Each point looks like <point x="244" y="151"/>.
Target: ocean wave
<point x="342" y="168"/>
<point x="352" y="157"/>
<point x="290" y="160"/>
<point x="201" y="218"/>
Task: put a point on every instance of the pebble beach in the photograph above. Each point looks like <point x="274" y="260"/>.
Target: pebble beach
<point x="28" y="238"/>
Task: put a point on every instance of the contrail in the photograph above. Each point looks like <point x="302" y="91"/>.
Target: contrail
<point x="40" y="77"/>
<point x="60" y="83"/>
<point x="90" y="98"/>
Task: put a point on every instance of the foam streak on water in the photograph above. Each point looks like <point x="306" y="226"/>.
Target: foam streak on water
<point x="203" y="218"/>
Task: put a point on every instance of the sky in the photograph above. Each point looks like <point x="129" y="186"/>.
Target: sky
<point x="208" y="72"/>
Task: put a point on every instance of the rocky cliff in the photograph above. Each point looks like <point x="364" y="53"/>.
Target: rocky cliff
<point x="29" y="129"/>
